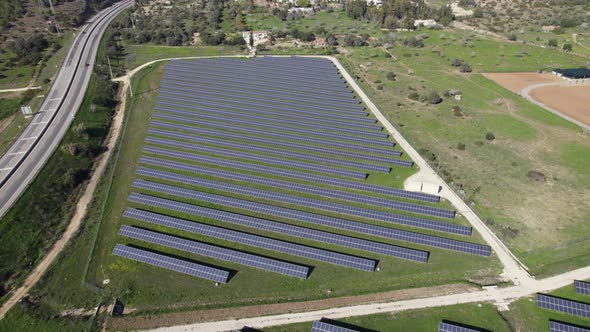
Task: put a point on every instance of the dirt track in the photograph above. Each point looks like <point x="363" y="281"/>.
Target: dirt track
<point x="515" y="82"/>
<point x="573" y="101"/>
<point x="178" y="318"/>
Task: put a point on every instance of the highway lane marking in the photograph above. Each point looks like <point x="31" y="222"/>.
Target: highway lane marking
<point x="6" y="169"/>
<point x="38" y="123"/>
<point x="28" y="138"/>
<point x="15" y="153"/>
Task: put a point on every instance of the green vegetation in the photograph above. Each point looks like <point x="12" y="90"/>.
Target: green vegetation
<point x="484" y="316"/>
<point x="26" y="320"/>
<point x="547" y="237"/>
<point x="524" y="314"/>
<point x="140" y="54"/>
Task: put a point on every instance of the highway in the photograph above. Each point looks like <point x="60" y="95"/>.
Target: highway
<point x="32" y="149"/>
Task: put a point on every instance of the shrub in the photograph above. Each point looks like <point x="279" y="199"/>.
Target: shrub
<point x="461" y="146"/>
<point x="465" y="68"/>
<point x="490" y="136"/>
<point x="390" y="76"/>
<point x="380" y="87"/>
<point x="456" y="62"/>
<point x="414" y="96"/>
<point x="512" y="37"/>
<point x="552" y="43"/>
<point x="433" y="98"/>
<point x="567" y="47"/>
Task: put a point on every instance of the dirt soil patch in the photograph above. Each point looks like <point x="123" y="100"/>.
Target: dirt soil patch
<point x="189" y="317"/>
<point x="515" y="82"/>
<point x="573" y="101"/>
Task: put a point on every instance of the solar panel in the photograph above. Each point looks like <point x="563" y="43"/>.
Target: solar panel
<point x="299" y="116"/>
<point x="273" y="151"/>
<point x="258" y="158"/>
<point x="294" y="174"/>
<point x="283" y="136"/>
<point x="258" y="241"/>
<point x="557" y="326"/>
<point x="272" y="100"/>
<point x="276" y="227"/>
<point x="220" y="86"/>
<point x="566" y="306"/>
<point x="207" y="250"/>
<point x="173" y="264"/>
<point x="230" y="116"/>
<point x="334" y="136"/>
<point x="451" y="327"/>
<point x="319" y="326"/>
<point x="285" y="198"/>
<point x="348" y="225"/>
<point x="301" y="188"/>
<point x="249" y="140"/>
<point x="582" y="287"/>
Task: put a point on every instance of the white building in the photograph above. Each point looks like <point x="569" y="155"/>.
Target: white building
<point x="425" y="23"/>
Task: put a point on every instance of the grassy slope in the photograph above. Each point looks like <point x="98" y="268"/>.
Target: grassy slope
<point x="484" y="316"/>
<point x="549" y="237"/>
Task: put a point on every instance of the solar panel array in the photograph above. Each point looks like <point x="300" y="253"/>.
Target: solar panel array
<point x="220" y="253"/>
<point x="268" y="243"/>
<point x="582" y="287"/>
<point x="285" y="198"/>
<point x="566" y="306"/>
<point x="450" y="327"/>
<point x="178" y="265"/>
<point x="557" y="326"/>
<point x="303" y="136"/>
<point x="293" y="186"/>
<point x="319" y="326"/>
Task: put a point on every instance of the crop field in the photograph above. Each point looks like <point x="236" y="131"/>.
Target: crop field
<point x="277" y="181"/>
<point x="541" y="221"/>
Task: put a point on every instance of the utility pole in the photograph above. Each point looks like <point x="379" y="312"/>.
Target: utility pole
<point x="54" y="18"/>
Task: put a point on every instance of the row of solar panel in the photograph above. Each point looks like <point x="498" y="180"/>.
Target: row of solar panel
<point x="267" y="126"/>
<point x="252" y="240"/>
<point x="280" y="136"/>
<point x="221" y="114"/>
<point x="286" y="75"/>
<point x="582" y="287"/>
<point x="285" y="198"/>
<point x="249" y="140"/>
<point x="253" y="90"/>
<point x="258" y="158"/>
<point x="343" y="224"/>
<point x="266" y="170"/>
<point x="207" y="250"/>
<point x="261" y="76"/>
<point x="319" y="326"/>
<point x="271" y="100"/>
<point x="298" y="187"/>
<point x="563" y="305"/>
<point x="557" y="326"/>
<point x="446" y="326"/>
<point x="224" y="102"/>
<point x="229" y="87"/>
<point x="301" y="115"/>
<point x="178" y="265"/>
<point x="273" y="152"/>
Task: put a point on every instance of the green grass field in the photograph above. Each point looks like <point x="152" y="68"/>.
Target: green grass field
<point x="140" y="54"/>
<point x="493" y="175"/>
<point x="484" y="316"/>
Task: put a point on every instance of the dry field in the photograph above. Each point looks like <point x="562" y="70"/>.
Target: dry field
<point x="515" y="82"/>
<point x="573" y="101"/>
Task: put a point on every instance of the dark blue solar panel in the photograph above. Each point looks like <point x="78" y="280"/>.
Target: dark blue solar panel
<point x="275" y="227"/>
<point x="272" y="151"/>
<point x="556" y="326"/>
<point x="293" y="200"/>
<point x="450" y="327"/>
<point x="334" y="222"/>
<point x="297" y="187"/>
<point x="566" y="306"/>
<point x="248" y="140"/>
<point x="207" y="250"/>
<point x="293" y="174"/>
<point x="284" y="136"/>
<point x="178" y="265"/>
<point x="300" y="116"/>
<point x="255" y="240"/>
<point x="305" y="132"/>
<point x="318" y="326"/>
<point x="258" y="158"/>
<point x="582" y="287"/>
<point x="230" y="116"/>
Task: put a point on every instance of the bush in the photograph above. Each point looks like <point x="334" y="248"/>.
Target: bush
<point x="414" y="96"/>
<point x="465" y="68"/>
<point x="456" y="62"/>
<point x="552" y="43"/>
<point x="512" y="37"/>
<point x="390" y="76"/>
<point x="461" y="146"/>
<point x="380" y="87"/>
<point x="567" y="47"/>
<point x="433" y="98"/>
<point x="490" y="136"/>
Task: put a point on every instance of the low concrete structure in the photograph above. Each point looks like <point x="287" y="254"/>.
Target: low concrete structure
<point x="424" y="23"/>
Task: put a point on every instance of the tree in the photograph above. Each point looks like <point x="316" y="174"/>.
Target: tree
<point x="465" y="68"/>
<point x="456" y="62"/>
<point x="355" y="9"/>
<point x="512" y="37"/>
<point x="552" y="43"/>
<point x="567" y="47"/>
<point x="433" y="98"/>
<point x="251" y="39"/>
<point x="490" y="136"/>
